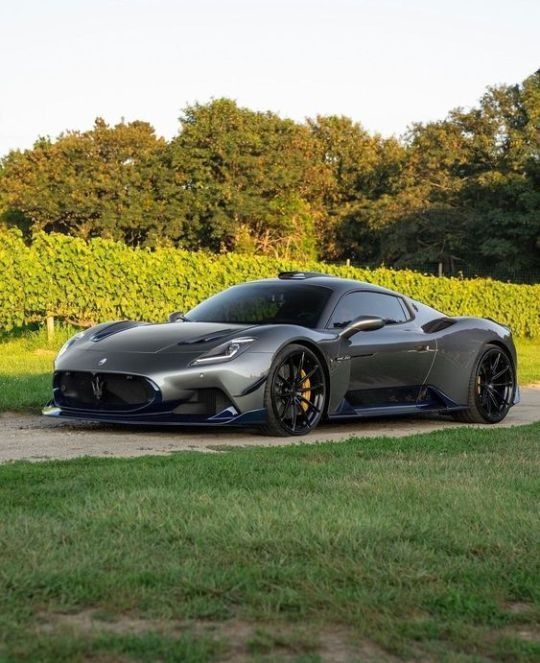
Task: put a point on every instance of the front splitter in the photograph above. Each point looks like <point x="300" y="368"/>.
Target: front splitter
<point x="225" y="418"/>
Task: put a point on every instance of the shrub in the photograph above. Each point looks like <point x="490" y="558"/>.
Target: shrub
<point x="88" y="282"/>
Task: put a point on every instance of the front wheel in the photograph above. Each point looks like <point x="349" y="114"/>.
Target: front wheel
<point x="492" y="388"/>
<point x="295" y="392"/>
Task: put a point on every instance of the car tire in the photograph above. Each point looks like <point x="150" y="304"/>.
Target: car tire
<point x="295" y="392"/>
<point x="491" y="389"/>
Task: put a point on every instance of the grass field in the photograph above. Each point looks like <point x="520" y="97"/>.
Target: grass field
<point x="26" y="365"/>
<point x="422" y="548"/>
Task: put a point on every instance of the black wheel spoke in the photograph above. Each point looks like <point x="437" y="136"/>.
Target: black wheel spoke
<point x="294" y="406"/>
<point x="278" y="387"/>
<point x="300" y="366"/>
<point x="313" y="387"/>
<point x="492" y="398"/>
<point x="285" y="408"/>
<point x="501" y="397"/>
<point x="292" y="369"/>
<point x="304" y="416"/>
<point x="495" y="376"/>
<point x="309" y="404"/>
<point x="309" y="374"/>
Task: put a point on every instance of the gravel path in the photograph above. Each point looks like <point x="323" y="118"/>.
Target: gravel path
<point x="32" y="437"/>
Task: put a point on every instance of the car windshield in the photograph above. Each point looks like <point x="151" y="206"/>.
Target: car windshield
<point x="264" y="303"/>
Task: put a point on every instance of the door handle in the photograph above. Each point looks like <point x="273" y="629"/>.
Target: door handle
<point x="422" y="348"/>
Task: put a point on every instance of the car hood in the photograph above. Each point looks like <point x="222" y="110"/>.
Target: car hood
<point x="172" y="337"/>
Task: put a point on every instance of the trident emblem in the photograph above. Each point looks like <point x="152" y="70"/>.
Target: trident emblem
<point x="97" y="387"/>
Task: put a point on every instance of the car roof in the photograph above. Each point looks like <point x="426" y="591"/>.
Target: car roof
<point x="335" y="283"/>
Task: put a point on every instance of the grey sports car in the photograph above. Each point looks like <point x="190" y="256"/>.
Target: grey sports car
<point x="282" y="354"/>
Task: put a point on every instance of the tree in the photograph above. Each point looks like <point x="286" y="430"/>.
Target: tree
<point x="365" y="170"/>
<point x="110" y="181"/>
<point x="253" y="180"/>
<point x="471" y="188"/>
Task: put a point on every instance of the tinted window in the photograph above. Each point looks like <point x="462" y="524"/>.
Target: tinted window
<point x="355" y="304"/>
<point x="265" y="303"/>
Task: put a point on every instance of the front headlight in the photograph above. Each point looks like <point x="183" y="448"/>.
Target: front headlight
<point x="224" y="352"/>
<point x="69" y="343"/>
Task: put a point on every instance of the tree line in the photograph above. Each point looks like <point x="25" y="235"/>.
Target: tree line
<point x="464" y="190"/>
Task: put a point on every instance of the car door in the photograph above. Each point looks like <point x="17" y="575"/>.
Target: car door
<point x="388" y="366"/>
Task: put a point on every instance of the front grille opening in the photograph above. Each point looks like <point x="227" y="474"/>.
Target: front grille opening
<point x="204" y="402"/>
<point x="102" y="391"/>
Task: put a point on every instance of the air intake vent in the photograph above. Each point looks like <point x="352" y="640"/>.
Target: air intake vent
<point x="204" y="402"/>
<point x="437" y="325"/>
<point x="80" y="390"/>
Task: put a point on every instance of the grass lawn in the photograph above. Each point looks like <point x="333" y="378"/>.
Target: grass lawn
<point x="26" y="364"/>
<point x="422" y="548"/>
<point x="529" y="360"/>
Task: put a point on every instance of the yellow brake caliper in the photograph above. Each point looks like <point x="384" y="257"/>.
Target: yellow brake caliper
<point x="307" y="394"/>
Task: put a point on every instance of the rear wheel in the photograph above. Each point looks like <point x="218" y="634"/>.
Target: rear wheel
<point x="492" y="388"/>
<point x="295" y="392"/>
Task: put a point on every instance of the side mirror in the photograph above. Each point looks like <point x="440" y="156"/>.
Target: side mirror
<point x="363" y="323"/>
<point x="177" y="316"/>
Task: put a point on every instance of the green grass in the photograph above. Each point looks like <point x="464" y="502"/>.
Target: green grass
<point x="26" y="365"/>
<point x="529" y="360"/>
<point x="424" y="548"/>
<point x="26" y="361"/>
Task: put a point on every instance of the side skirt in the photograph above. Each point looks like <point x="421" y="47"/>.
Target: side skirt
<point x="429" y="399"/>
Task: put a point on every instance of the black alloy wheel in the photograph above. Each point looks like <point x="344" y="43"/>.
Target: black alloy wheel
<point x="492" y="388"/>
<point x="295" y="393"/>
<point x="495" y="384"/>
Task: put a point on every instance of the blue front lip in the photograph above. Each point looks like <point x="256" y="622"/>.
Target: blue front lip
<point x="228" y="417"/>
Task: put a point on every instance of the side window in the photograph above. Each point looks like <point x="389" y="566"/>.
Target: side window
<point x="355" y="304"/>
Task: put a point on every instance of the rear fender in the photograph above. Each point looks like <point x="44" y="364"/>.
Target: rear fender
<point x="458" y="348"/>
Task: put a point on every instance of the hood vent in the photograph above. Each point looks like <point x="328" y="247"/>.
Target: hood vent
<point x="222" y="333"/>
<point x="114" y="328"/>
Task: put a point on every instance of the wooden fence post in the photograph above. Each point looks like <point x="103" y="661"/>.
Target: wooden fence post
<point x="50" y="327"/>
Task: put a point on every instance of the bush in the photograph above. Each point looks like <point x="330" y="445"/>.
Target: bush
<point x="89" y="282"/>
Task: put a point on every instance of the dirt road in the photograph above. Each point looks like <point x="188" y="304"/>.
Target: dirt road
<point x="32" y="437"/>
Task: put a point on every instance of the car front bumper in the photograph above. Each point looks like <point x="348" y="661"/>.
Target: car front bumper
<point x="180" y="392"/>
